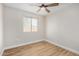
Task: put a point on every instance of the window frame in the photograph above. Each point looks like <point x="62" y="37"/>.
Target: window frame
<point x="31" y="24"/>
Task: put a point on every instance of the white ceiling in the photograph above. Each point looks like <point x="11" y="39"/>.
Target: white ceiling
<point x="33" y="7"/>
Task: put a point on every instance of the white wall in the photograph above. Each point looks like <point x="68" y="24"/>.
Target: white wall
<point x="1" y="28"/>
<point x="14" y="34"/>
<point x="63" y="27"/>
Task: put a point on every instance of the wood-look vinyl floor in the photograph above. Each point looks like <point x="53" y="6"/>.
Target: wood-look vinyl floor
<point x="42" y="48"/>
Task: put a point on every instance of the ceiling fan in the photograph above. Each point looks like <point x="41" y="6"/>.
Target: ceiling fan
<point x="45" y="6"/>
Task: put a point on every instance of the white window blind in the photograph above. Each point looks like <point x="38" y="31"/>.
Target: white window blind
<point x="30" y="24"/>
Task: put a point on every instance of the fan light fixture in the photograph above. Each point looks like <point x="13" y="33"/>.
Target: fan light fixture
<point x="43" y="7"/>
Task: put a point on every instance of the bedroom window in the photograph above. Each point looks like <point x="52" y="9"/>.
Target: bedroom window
<point x="30" y="24"/>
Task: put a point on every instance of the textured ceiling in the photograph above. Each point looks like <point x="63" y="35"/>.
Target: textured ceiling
<point x="33" y="7"/>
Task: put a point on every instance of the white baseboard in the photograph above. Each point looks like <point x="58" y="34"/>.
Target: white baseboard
<point x="23" y="44"/>
<point x="69" y="49"/>
<point x="1" y="53"/>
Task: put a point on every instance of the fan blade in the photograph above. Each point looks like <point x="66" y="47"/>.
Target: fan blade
<point x="53" y="4"/>
<point x="47" y="10"/>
